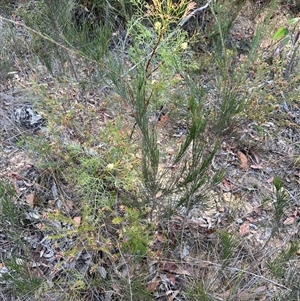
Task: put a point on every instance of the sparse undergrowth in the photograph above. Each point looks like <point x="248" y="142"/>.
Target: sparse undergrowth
<point x="140" y="184"/>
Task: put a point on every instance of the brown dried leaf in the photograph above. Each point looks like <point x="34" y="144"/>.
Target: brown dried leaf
<point x="151" y="286"/>
<point x="255" y="155"/>
<point x="69" y="205"/>
<point x="224" y="294"/>
<point x="289" y="221"/>
<point x="162" y="122"/>
<point x="247" y="295"/>
<point x="243" y="160"/>
<point x="40" y="226"/>
<point x="251" y="219"/>
<point x="180" y="271"/>
<point x="244" y="228"/>
<point x="160" y="237"/>
<point x="171" y="278"/>
<point x="178" y="218"/>
<point x="173" y="268"/>
<point x="77" y="220"/>
<point x="256" y="166"/>
<point x="257" y="210"/>
<point x="227" y="185"/>
<point x="15" y="175"/>
<point x="30" y="199"/>
<point x="169" y="266"/>
<point x="201" y="222"/>
<point x="17" y="189"/>
<point x="159" y="194"/>
<point x="171" y="294"/>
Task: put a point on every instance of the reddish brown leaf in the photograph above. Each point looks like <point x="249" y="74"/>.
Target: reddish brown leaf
<point x="171" y="278"/>
<point x="210" y="231"/>
<point x="15" y="175"/>
<point x="227" y="184"/>
<point x="151" y="286"/>
<point x="168" y="266"/>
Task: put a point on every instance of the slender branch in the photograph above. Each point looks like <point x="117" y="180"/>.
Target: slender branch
<point x="193" y="13"/>
<point x="153" y="52"/>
